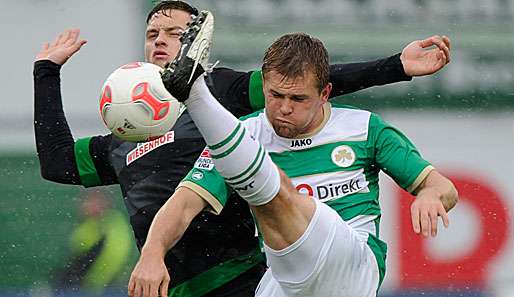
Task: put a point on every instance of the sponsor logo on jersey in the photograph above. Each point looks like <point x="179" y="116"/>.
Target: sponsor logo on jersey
<point x="146" y="147"/>
<point x="343" y="156"/>
<point x="205" y="161"/>
<point x="334" y="186"/>
<point x="197" y="175"/>
<point x="296" y="143"/>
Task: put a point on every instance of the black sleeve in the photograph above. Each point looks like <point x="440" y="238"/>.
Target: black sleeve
<point x="349" y="78"/>
<point x="54" y="142"/>
<point x="231" y="89"/>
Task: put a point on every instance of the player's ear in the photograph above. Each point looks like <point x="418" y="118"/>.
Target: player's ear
<point x="325" y="92"/>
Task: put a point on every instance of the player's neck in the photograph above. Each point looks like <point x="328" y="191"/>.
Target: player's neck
<point x="317" y="123"/>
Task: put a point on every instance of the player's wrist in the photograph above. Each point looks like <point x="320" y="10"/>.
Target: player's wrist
<point x="154" y="250"/>
<point x="430" y="192"/>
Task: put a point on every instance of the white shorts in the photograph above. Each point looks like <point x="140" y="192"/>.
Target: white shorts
<point x="329" y="259"/>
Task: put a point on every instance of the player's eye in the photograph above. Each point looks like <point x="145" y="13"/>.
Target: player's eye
<point x="275" y="94"/>
<point x="299" y="98"/>
<point x="151" y="35"/>
<point x="175" y="33"/>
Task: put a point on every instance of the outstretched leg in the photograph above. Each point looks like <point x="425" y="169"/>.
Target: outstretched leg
<point x="301" y="235"/>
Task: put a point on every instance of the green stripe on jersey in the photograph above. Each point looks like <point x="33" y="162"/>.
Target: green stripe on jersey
<point x="317" y="159"/>
<point x="379" y="249"/>
<point x="255" y="91"/>
<point x="85" y="165"/>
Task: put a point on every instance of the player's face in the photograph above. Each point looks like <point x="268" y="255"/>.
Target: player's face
<point x="294" y="106"/>
<point x="163" y="36"/>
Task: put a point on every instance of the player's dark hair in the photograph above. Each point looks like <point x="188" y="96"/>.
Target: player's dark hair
<point x="293" y="54"/>
<point x="166" y="5"/>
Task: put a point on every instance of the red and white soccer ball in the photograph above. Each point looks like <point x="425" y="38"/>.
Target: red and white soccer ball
<point x="135" y="105"/>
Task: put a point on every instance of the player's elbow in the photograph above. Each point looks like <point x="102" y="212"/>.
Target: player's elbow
<point x="52" y="171"/>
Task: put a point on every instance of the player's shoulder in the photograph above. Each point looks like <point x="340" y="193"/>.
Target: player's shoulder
<point x="349" y="111"/>
<point x="348" y="117"/>
<point x="343" y="114"/>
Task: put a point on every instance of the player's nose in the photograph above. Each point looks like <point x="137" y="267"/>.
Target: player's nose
<point x="161" y="39"/>
<point x="286" y="107"/>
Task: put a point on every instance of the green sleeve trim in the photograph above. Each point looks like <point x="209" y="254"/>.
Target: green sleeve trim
<point x="217" y="276"/>
<point x="209" y="184"/>
<point x="255" y="91"/>
<point x="85" y="165"/>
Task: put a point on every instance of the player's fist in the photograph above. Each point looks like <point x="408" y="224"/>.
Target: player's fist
<point x="62" y="48"/>
<point x="150" y="277"/>
<point x="427" y="56"/>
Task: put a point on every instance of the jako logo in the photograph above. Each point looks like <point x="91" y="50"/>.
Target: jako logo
<point x="301" y="142"/>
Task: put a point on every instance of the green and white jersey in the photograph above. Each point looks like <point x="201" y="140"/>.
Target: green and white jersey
<point x="338" y="164"/>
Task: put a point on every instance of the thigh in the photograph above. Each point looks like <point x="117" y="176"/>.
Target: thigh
<point x="329" y="259"/>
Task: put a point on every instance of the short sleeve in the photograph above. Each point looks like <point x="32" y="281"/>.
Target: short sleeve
<point x="205" y="180"/>
<point x="397" y="156"/>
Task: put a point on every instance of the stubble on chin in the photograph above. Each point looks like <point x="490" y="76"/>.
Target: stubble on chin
<point x="284" y="131"/>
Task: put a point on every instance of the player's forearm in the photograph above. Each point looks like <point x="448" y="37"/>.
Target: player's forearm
<point x="171" y="221"/>
<point x="349" y="78"/>
<point x="54" y="141"/>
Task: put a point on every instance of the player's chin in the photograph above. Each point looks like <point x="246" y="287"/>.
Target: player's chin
<point x="159" y="62"/>
<point x="285" y="131"/>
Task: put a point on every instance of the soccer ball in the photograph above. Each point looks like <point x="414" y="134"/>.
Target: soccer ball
<point x="135" y="105"/>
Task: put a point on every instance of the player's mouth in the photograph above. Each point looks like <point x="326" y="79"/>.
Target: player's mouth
<point x="160" y="55"/>
<point x="283" y="122"/>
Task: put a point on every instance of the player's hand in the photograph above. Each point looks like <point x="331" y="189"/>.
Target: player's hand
<point x="149" y="278"/>
<point x="62" y="48"/>
<point x="425" y="211"/>
<point x="424" y="57"/>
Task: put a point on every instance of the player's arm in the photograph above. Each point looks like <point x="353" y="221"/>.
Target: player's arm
<point x="61" y="158"/>
<point x="398" y="157"/>
<point x="150" y="275"/>
<point x="202" y="189"/>
<point x="418" y="58"/>
<point x="241" y="92"/>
